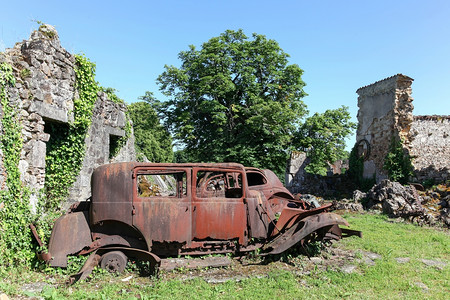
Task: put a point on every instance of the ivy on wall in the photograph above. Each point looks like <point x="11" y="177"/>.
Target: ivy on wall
<point x="66" y="147"/>
<point x="64" y="157"/>
<point x="398" y="162"/>
<point x="15" y="214"/>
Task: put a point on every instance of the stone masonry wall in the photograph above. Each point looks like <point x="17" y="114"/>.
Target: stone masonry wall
<point x="108" y="122"/>
<point x="430" y="147"/>
<point x="44" y="93"/>
<point x="295" y="176"/>
<point x="385" y="112"/>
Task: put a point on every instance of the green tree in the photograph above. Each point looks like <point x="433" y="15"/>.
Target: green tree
<point x="235" y="99"/>
<point x="180" y="156"/>
<point x="152" y="139"/>
<point x="323" y="136"/>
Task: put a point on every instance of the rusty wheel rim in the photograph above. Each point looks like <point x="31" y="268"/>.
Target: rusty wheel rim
<point x="114" y="262"/>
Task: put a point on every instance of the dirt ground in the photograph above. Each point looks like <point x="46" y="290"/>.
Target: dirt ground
<point x="330" y="258"/>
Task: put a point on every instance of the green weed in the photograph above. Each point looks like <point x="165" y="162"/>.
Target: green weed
<point x="387" y="279"/>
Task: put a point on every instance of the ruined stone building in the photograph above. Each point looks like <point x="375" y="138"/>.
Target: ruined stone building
<point x="43" y="96"/>
<point x="386" y="112"/>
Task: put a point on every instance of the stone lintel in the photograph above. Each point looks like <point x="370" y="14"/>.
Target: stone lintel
<point x="115" y="131"/>
<point x="50" y="112"/>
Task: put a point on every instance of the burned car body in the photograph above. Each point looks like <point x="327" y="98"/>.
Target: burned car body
<point x="149" y="210"/>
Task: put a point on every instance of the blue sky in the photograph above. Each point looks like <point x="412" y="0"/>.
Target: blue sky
<point x="341" y="45"/>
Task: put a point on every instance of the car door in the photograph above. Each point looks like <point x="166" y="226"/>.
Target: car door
<point x="162" y="204"/>
<point x="219" y="212"/>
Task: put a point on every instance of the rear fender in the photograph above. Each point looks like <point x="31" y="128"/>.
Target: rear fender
<point x="115" y="233"/>
<point x="70" y="234"/>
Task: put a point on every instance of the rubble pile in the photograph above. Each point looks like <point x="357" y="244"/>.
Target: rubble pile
<point x="395" y="200"/>
<point x="437" y="202"/>
<point x="345" y="204"/>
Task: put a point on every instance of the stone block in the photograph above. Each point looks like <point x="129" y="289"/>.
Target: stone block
<point x="49" y="111"/>
<point x="121" y="119"/>
<point x="114" y="131"/>
<point x="38" y="94"/>
<point x="45" y="137"/>
<point x="37" y="154"/>
<point x="45" y="69"/>
<point x="23" y="167"/>
<point x="48" y="99"/>
<point x="369" y="169"/>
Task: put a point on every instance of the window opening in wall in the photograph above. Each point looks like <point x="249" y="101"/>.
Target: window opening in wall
<point x="363" y="148"/>
<point x="58" y="132"/>
<point x="113" y="145"/>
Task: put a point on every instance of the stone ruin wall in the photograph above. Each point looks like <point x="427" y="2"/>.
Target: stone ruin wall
<point x="44" y="93"/>
<point x="296" y="176"/>
<point x="386" y="112"/>
<point x="299" y="181"/>
<point x="430" y="147"/>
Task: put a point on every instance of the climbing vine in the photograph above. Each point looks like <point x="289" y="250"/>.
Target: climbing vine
<point x="15" y="215"/>
<point x="398" y="163"/>
<point x="64" y="157"/>
<point x="66" y="148"/>
<point x="111" y="93"/>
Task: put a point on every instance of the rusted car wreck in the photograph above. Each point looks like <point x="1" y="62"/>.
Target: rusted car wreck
<point x="147" y="211"/>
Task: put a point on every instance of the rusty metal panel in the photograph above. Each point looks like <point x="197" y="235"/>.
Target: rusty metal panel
<point x="301" y="230"/>
<point x="71" y="233"/>
<point x="268" y="183"/>
<point x="257" y="218"/>
<point x="112" y="193"/>
<point x="290" y="215"/>
<point x="163" y="218"/>
<point x="222" y="220"/>
<point x="216" y="216"/>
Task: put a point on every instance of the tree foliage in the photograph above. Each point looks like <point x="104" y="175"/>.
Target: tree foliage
<point x="322" y="136"/>
<point x="235" y="99"/>
<point x="152" y="139"/>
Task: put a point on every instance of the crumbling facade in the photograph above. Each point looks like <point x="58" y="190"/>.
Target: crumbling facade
<point x="430" y="147"/>
<point x="44" y="95"/>
<point x="295" y="176"/>
<point x="386" y="113"/>
<point x="297" y="180"/>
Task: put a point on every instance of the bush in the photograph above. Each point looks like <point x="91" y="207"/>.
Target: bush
<point x="398" y="162"/>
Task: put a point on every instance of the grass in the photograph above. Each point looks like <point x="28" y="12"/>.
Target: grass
<point x="387" y="279"/>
